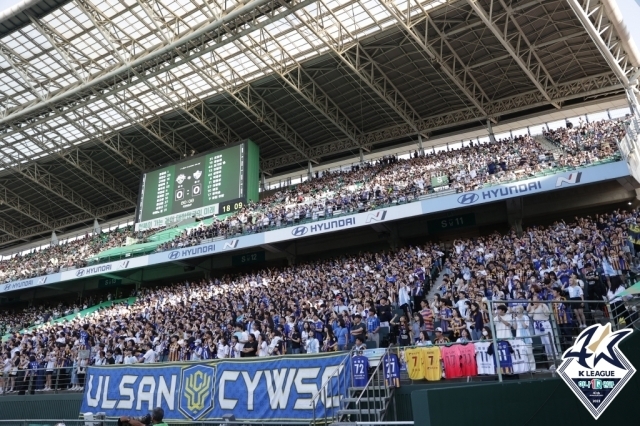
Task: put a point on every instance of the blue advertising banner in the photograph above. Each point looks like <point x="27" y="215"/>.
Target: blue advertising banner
<point x="31" y="282"/>
<point x="206" y="249"/>
<point x="280" y="388"/>
<point x="552" y="182"/>
<point x="451" y="201"/>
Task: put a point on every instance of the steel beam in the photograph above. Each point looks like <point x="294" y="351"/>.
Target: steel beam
<point x="356" y="58"/>
<point x="172" y="97"/>
<point x="151" y="62"/>
<point x="82" y="162"/>
<point x="108" y="29"/>
<point x="241" y="91"/>
<point x="593" y="18"/>
<point x="589" y="86"/>
<point x="294" y="75"/>
<point x="17" y="203"/>
<point x="46" y="180"/>
<point x="12" y="231"/>
<point x="21" y="67"/>
<point x="65" y="49"/>
<point x="516" y="44"/>
<point x="19" y="234"/>
<point x="450" y="63"/>
<point x="113" y="140"/>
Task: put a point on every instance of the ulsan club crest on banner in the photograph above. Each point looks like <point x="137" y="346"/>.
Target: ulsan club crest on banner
<point x="594" y="367"/>
<point x="197" y="393"/>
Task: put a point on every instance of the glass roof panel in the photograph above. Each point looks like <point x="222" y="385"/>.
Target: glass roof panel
<point x="131" y="30"/>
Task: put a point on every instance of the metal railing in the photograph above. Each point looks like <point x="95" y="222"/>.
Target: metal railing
<point x="32" y="381"/>
<point x="326" y="388"/>
<point x="381" y="385"/>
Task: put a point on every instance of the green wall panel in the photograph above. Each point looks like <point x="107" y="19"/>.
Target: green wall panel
<point x="62" y="406"/>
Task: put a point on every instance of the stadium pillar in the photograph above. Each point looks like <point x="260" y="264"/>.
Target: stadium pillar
<point x="633" y="101"/>
<point x="361" y="156"/>
<point x="263" y="181"/>
<point x="96" y="226"/>
<point x="514" y="213"/>
<point x="54" y="238"/>
<point x="492" y="137"/>
<point x="421" y="151"/>
<point x="310" y="169"/>
<point x="394" y="238"/>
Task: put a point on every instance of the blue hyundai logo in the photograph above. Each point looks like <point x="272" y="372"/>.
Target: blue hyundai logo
<point x="80" y="273"/>
<point x="174" y="255"/>
<point x="468" y="198"/>
<point x="299" y="231"/>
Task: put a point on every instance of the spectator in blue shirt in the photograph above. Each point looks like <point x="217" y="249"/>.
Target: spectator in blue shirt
<point x="373" y="327"/>
<point x="341" y="334"/>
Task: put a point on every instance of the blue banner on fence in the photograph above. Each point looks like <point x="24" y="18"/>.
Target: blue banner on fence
<point x="250" y="389"/>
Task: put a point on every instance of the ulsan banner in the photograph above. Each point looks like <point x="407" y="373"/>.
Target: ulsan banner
<point x="280" y="388"/>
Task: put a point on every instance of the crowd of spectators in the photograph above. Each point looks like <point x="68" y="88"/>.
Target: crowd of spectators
<point x="13" y="319"/>
<point x="586" y="141"/>
<point x="396" y="181"/>
<point x="67" y="255"/>
<point x="387" y="181"/>
<point x="328" y="305"/>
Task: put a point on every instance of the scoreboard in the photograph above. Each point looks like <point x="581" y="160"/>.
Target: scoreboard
<point x="220" y="181"/>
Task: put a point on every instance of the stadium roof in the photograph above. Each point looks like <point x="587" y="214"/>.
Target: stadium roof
<point x="93" y="92"/>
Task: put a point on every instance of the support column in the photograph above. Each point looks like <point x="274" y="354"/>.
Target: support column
<point x="492" y="137"/>
<point x="54" y="238"/>
<point x="394" y="238"/>
<point x="361" y="156"/>
<point x="514" y="213"/>
<point x="96" y="226"/>
<point x="420" y="147"/>
<point x="309" y="170"/>
<point x="634" y="105"/>
<point x="263" y="181"/>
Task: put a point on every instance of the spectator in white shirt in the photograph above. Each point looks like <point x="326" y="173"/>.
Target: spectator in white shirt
<point x="150" y="356"/>
<point x="129" y="358"/>
<point x="502" y="324"/>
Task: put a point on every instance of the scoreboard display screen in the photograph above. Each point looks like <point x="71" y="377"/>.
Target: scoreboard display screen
<point x="220" y="181"/>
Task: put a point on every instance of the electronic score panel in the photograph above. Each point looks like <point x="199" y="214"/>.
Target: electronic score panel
<point x="217" y="182"/>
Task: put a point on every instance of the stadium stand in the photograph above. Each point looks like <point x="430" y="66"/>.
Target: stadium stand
<point x="384" y="182"/>
<point x="392" y="181"/>
<point x="340" y="299"/>
<point x="71" y="254"/>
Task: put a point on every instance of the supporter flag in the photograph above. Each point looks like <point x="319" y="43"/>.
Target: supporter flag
<point x="282" y="388"/>
<point x="634" y="233"/>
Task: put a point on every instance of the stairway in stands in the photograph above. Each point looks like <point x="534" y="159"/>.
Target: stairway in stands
<point x="368" y="404"/>
<point x="547" y="144"/>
